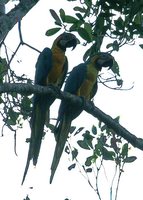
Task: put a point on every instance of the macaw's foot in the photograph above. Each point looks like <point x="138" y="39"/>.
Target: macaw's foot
<point x="78" y="107"/>
<point x="54" y="88"/>
<point x="83" y="102"/>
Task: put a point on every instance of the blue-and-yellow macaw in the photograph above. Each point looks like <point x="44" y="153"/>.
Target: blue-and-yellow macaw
<point x="82" y="82"/>
<point x="51" y="68"/>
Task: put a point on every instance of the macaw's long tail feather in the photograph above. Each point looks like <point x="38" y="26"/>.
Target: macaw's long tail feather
<point x="27" y="166"/>
<point x="61" y="131"/>
<point x="37" y="127"/>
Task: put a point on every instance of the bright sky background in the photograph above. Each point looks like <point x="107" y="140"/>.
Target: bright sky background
<point x="127" y="104"/>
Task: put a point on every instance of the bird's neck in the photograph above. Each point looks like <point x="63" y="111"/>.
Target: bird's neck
<point x="58" y="54"/>
<point x="92" y="72"/>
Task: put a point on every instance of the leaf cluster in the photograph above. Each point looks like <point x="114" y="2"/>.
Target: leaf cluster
<point x="103" y="144"/>
<point x="15" y="108"/>
<point x="119" y="21"/>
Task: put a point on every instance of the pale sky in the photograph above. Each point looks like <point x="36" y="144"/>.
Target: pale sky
<point x="127" y="104"/>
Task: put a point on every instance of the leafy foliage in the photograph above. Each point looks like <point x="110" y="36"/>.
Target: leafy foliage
<point x="103" y="145"/>
<point x="14" y="107"/>
<point x="102" y="26"/>
<point x="120" y="21"/>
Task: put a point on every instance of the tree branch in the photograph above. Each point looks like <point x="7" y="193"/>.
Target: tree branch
<point x="8" y="20"/>
<point x="28" y="89"/>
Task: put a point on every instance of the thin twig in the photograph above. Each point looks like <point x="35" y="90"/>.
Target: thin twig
<point x="15" y="143"/>
<point x="85" y="175"/>
<point x="113" y="182"/>
<point x="97" y="176"/>
<point x="119" y="178"/>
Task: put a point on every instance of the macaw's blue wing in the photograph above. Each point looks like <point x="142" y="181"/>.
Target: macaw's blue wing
<point x="43" y="67"/>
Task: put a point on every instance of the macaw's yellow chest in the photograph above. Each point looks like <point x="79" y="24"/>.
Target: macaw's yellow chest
<point x="58" y="61"/>
<point x="86" y="87"/>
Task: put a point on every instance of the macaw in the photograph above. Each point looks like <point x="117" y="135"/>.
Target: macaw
<point x="82" y="82"/>
<point x="51" y="68"/>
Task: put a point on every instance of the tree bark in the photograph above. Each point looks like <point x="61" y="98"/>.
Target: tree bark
<point x="7" y="21"/>
<point x="28" y="89"/>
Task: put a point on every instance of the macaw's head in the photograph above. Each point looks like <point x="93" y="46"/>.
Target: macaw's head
<point x="66" y="40"/>
<point x="102" y="59"/>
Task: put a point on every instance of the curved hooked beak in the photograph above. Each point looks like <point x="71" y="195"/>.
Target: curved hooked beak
<point x="71" y="41"/>
<point x="109" y="62"/>
<point x="106" y="61"/>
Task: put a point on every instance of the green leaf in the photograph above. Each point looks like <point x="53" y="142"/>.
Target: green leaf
<point x="115" y="68"/>
<point x="79" y="9"/>
<point x="62" y="14"/>
<point x="88" y="161"/>
<point x="94" y="130"/>
<point x="55" y="16"/>
<point x="11" y="122"/>
<point x="130" y="159"/>
<point x="114" y="144"/>
<point x="87" y="54"/>
<point x="74" y="153"/>
<point x="97" y="150"/>
<point x="25" y="107"/>
<point x="89" y="170"/>
<point x="88" y="139"/>
<point x="71" y="166"/>
<point x="99" y="24"/>
<point x="88" y="3"/>
<point x="94" y="158"/>
<point x="26" y="103"/>
<point x="12" y="117"/>
<point x="115" y="46"/>
<point x="125" y="149"/>
<point x="79" y="16"/>
<point x="119" y="23"/>
<point x="138" y="19"/>
<point x="52" y="31"/>
<point x="69" y="19"/>
<point x="75" y="25"/>
<point x="72" y="129"/>
<point x="107" y="155"/>
<point x="79" y="130"/>
<point x="88" y="28"/>
<point x="119" y="82"/>
<point x="83" y="144"/>
<point x="109" y="45"/>
<point x="84" y="34"/>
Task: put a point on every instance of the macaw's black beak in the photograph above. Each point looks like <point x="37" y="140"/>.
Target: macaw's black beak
<point x="69" y="40"/>
<point x="109" y="63"/>
<point x="105" y="60"/>
<point x="72" y="43"/>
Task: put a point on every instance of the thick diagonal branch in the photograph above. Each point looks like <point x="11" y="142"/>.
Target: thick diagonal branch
<point x="88" y="107"/>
